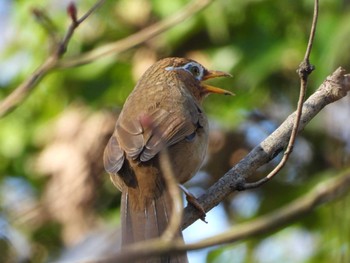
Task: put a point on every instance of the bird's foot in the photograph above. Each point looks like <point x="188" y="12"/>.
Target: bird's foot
<point x="192" y="200"/>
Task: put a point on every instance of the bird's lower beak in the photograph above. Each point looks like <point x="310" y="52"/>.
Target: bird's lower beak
<point x="211" y="89"/>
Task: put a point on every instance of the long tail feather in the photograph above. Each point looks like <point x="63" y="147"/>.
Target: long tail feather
<point x="146" y="222"/>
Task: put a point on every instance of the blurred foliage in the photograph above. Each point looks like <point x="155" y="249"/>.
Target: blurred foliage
<point x="260" y="42"/>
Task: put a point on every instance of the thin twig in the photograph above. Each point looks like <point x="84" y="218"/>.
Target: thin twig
<point x="55" y="61"/>
<point x="304" y="70"/>
<point x="74" y="25"/>
<point x="23" y="90"/>
<point x="96" y="6"/>
<point x="175" y="220"/>
<point x="313" y="31"/>
<point x="48" y="25"/>
<point x="137" y="38"/>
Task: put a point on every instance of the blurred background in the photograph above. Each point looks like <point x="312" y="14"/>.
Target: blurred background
<point x="57" y="203"/>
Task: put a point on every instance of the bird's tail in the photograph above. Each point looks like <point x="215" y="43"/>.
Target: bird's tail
<point x="145" y="218"/>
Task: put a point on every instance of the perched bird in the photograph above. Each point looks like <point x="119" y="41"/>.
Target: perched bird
<point x="169" y="95"/>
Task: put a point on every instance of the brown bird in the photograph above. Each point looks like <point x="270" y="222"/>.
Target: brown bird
<point x="169" y="95"/>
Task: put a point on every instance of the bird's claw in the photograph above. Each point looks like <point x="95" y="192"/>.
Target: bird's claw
<point x="192" y="200"/>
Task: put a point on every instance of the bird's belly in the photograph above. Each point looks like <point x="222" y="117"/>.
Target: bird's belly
<point x="187" y="156"/>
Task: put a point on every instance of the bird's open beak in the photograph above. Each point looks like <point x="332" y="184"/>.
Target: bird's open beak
<point x="211" y="89"/>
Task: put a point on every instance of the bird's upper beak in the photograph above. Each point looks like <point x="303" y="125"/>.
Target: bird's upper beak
<point x="210" y="74"/>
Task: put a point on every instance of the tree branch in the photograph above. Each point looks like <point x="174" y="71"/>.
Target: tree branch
<point x="333" y="88"/>
<point x="137" y="38"/>
<point x="23" y="90"/>
<point x="174" y="224"/>
<point x="324" y="192"/>
<point x="55" y="61"/>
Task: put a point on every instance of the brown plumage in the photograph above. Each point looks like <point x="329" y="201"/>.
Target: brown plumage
<point x="163" y="110"/>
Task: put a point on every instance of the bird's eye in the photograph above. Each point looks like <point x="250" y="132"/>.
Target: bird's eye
<point x="195" y="71"/>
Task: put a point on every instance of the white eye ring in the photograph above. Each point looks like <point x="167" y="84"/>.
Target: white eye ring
<point x="195" y="69"/>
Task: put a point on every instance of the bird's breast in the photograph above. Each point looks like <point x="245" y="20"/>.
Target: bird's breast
<point x="187" y="156"/>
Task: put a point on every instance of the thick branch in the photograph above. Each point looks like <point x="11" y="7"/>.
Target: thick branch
<point x="322" y="193"/>
<point x="333" y="88"/>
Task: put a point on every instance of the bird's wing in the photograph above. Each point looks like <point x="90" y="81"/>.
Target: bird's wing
<point x="167" y="128"/>
<point x="147" y="135"/>
<point x="113" y="157"/>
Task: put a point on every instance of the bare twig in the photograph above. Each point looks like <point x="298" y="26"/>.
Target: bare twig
<point x="173" y="227"/>
<point x="48" y="25"/>
<point x="335" y="87"/>
<point x="137" y="38"/>
<point x="304" y="70"/>
<point x="55" y="60"/>
<point x="74" y="25"/>
<point x="23" y="90"/>
<point x="313" y="31"/>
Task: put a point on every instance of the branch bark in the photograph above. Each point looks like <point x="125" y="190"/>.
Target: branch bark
<point x="333" y="88"/>
<point x="324" y="192"/>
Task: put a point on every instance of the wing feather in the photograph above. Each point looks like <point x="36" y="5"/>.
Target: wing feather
<point x="168" y="125"/>
<point x="113" y="157"/>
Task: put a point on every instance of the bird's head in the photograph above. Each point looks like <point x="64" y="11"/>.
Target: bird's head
<point x="194" y="74"/>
